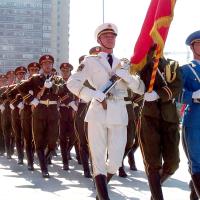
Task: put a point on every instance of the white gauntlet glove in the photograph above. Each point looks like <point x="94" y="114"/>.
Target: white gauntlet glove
<point x="2" y="108"/>
<point x="48" y="84"/>
<point x="99" y="96"/>
<point x="196" y="94"/>
<point x="11" y="107"/>
<point x="35" y="102"/>
<point x="124" y="74"/>
<point x="20" y="105"/>
<point x="151" y="96"/>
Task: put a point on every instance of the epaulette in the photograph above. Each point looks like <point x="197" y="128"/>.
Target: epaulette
<point x="170" y="70"/>
<point x="80" y="67"/>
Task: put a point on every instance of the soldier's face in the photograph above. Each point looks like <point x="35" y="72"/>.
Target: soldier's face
<point x="20" y="75"/>
<point x="33" y="70"/>
<point x="65" y="72"/>
<point x="195" y="47"/>
<point x="47" y="67"/>
<point x="11" y="76"/>
<point x="107" y="40"/>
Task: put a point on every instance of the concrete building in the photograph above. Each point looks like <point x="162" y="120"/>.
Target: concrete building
<point x="30" y="28"/>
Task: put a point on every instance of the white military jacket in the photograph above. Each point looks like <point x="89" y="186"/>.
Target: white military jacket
<point x="97" y="71"/>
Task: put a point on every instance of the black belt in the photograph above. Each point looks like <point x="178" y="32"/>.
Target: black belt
<point x="127" y="99"/>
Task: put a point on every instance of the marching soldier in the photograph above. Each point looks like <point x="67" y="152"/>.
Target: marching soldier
<point x="159" y="131"/>
<point x="107" y="123"/>
<point x="81" y="126"/>
<point x="16" y="105"/>
<point x="26" y="121"/>
<point x="2" y="143"/>
<point x="42" y="93"/>
<point x="131" y="129"/>
<point x="67" y="111"/>
<point x="6" y="116"/>
<point x="191" y="126"/>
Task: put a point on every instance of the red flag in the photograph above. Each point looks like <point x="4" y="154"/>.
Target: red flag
<point x="154" y="30"/>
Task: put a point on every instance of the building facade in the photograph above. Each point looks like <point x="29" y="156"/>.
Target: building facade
<point x="27" y="30"/>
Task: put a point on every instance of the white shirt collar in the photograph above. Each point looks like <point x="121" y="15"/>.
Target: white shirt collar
<point x="103" y="54"/>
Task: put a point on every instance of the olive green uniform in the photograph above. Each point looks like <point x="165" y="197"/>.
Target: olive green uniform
<point x="159" y="134"/>
<point x="45" y="115"/>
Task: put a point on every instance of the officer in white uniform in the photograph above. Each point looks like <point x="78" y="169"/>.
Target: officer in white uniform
<point x="107" y="128"/>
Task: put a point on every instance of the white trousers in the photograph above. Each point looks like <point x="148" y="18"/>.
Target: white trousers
<point x="107" y="146"/>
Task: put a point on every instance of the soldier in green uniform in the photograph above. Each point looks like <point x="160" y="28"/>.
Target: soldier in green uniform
<point x="42" y="93"/>
<point x="67" y="112"/>
<point x="159" y="131"/>
<point x="6" y="116"/>
<point x="131" y="144"/>
<point x="26" y="119"/>
<point x="16" y="105"/>
<point x="2" y="143"/>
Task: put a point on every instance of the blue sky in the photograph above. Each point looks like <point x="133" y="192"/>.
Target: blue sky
<point x="128" y="15"/>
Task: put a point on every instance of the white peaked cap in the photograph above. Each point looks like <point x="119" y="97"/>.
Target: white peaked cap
<point x="105" y="28"/>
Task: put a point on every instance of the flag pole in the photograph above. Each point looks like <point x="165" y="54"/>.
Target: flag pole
<point x="155" y="68"/>
<point x="103" y="10"/>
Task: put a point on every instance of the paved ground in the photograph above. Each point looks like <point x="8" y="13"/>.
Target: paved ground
<point x="16" y="182"/>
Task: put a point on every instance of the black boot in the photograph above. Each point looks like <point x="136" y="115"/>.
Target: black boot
<point x="12" y="145"/>
<point x="101" y="187"/>
<point x="64" y="154"/>
<point x="131" y="160"/>
<point x="193" y="194"/>
<point x="29" y="155"/>
<point x="2" y="144"/>
<point x="43" y="163"/>
<point x="109" y="176"/>
<point x="163" y="176"/>
<point x="77" y="150"/>
<point x="196" y="183"/>
<point x="84" y="155"/>
<point x="155" y="186"/>
<point x="122" y="172"/>
<point x="48" y="156"/>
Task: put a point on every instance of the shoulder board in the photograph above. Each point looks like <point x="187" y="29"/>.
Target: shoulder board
<point x="80" y="67"/>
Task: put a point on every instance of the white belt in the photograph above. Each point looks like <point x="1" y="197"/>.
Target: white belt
<point x="111" y="97"/>
<point x="47" y="102"/>
<point x="128" y="102"/>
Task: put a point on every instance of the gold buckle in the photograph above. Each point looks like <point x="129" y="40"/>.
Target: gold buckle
<point x="46" y="102"/>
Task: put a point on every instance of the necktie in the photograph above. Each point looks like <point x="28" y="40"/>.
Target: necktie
<point x="110" y="59"/>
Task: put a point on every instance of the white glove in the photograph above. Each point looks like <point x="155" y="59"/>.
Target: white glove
<point x="11" y="107"/>
<point x="196" y="94"/>
<point x="2" y="107"/>
<point x="35" y="102"/>
<point x="48" y="84"/>
<point x="151" y="96"/>
<point x="99" y="96"/>
<point x="124" y="74"/>
<point x="73" y="105"/>
<point x="20" y="105"/>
